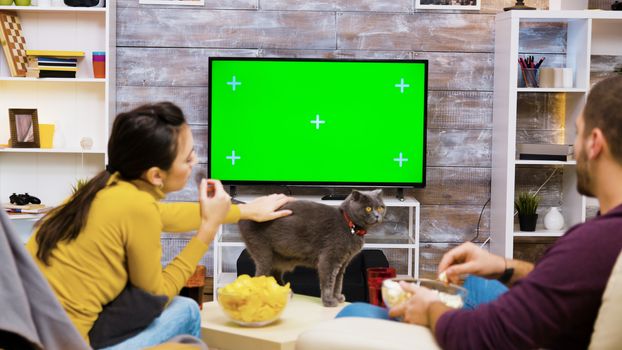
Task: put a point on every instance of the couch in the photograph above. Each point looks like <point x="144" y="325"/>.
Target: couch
<point x="370" y="334"/>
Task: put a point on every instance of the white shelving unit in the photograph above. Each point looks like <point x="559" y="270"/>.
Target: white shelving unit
<point x="409" y="240"/>
<point x="80" y="107"/>
<point x="588" y="33"/>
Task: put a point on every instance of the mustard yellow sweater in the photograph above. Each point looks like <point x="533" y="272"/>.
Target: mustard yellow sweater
<point x="121" y="241"/>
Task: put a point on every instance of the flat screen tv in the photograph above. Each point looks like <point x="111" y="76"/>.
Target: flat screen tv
<point x="317" y="122"/>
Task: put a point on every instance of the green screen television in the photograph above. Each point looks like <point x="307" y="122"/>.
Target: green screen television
<point x="317" y="122"/>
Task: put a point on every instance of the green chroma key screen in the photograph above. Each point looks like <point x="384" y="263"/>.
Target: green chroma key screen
<point x="312" y="121"/>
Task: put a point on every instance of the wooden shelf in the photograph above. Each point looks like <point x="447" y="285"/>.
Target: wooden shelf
<point x="54" y="80"/>
<point x="51" y="150"/>
<point x="53" y="9"/>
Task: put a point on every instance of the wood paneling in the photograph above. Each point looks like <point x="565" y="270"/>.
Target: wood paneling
<point x="452" y="185"/>
<point x="421" y="32"/>
<point x="225" y="29"/>
<point x="459" y="109"/>
<point x="339" y="5"/>
<point x="143" y="66"/>
<point x="463" y="148"/>
<point x="209" y="4"/>
<point x="192" y="100"/>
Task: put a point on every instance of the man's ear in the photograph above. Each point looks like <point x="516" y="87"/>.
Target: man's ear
<point x="596" y="143"/>
<point x="154" y="176"/>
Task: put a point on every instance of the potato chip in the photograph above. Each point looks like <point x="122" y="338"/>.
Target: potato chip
<point x="254" y="299"/>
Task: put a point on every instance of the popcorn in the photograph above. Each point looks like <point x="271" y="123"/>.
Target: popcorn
<point x="393" y="294"/>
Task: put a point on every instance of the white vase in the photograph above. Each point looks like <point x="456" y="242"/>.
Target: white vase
<point x="553" y="220"/>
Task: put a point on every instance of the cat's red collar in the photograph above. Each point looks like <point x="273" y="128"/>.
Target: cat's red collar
<point x="353" y="228"/>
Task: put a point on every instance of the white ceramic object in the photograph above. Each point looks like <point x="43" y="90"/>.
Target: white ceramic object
<point x="547" y="77"/>
<point x="86" y="143"/>
<point x="553" y="220"/>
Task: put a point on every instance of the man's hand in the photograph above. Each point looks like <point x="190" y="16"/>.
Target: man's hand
<point x="468" y="258"/>
<point x="417" y="309"/>
<point x="265" y="208"/>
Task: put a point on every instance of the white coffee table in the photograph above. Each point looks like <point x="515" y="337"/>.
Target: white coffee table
<point x="301" y="313"/>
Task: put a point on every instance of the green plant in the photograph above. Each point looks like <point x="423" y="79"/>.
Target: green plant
<point x="78" y="185"/>
<point x="526" y="203"/>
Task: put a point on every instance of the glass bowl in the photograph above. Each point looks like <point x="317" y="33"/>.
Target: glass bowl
<point x="253" y="310"/>
<point x="450" y="294"/>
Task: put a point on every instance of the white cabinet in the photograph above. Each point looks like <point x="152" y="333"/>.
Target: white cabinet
<point x="80" y="107"/>
<point x="228" y="237"/>
<point x="588" y="33"/>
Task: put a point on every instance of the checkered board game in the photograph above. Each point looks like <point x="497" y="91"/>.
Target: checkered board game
<point x="13" y="43"/>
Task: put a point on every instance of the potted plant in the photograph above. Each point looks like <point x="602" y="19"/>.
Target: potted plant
<point x="526" y="204"/>
<point x="78" y="185"/>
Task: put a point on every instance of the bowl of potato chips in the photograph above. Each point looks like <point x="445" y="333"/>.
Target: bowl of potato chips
<point x="254" y="301"/>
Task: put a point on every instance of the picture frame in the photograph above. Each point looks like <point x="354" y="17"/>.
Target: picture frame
<point x="173" y="2"/>
<point x="474" y="5"/>
<point x="24" y="125"/>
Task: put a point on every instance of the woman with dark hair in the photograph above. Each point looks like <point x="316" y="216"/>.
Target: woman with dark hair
<point x="105" y="240"/>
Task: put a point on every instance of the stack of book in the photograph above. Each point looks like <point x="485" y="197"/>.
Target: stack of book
<point x="53" y="63"/>
<point x="536" y="151"/>
<point x="25" y="210"/>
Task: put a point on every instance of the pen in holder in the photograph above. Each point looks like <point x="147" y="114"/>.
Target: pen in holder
<point x="530" y="77"/>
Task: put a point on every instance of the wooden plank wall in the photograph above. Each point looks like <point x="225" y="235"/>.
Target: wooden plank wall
<point x="162" y="54"/>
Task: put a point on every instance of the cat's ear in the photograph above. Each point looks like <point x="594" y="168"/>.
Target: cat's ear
<point x="377" y="192"/>
<point x="356" y="195"/>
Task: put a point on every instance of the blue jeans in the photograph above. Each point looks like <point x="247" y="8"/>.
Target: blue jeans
<point x="181" y="316"/>
<point x="479" y="291"/>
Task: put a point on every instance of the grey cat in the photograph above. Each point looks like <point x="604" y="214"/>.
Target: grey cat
<point x="317" y="236"/>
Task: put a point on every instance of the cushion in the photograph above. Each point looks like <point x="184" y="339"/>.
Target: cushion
<point x="359" y="333"/>
<point x="607" y="333"/>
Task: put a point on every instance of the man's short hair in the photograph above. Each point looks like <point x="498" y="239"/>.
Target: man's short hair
<point x="603" y="110"/>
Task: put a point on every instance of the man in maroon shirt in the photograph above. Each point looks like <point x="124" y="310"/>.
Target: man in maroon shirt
<point x="554" y="303"/>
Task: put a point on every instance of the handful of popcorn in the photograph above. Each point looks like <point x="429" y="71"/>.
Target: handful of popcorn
<point x="254" y="301"/>
<point x="451" y="295"/>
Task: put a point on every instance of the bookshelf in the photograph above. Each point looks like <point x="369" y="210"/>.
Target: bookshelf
<point x="80" y="107"/>
<point x="587" y="33"/>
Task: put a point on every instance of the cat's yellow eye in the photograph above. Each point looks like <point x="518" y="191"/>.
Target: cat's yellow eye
<point x="368" y="209"/>
<point x="380" y="209"/>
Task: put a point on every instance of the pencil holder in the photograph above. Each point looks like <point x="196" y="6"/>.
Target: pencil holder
<point x="530" y="77"/>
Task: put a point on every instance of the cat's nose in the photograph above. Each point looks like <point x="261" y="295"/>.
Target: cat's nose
<point x="378" y="218"/>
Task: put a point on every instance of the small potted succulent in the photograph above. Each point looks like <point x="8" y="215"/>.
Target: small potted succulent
<point x="526" y="204"/>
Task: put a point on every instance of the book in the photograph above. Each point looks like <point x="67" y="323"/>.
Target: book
<point x="546" y="149"/>
<point x="55" y="53"/>
<point x="559" y="157"/>
<point x="13" y="43"/>
<point x="27" y="209"/>
<point x="56" y="74"/>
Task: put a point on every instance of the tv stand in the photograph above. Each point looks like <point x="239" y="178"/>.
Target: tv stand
<point x="334" y="197"/>
<point x="402" y="239"/>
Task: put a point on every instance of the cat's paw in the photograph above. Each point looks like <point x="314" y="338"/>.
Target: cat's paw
<point x="340" y="298"/>
<point x="330" y="302"/>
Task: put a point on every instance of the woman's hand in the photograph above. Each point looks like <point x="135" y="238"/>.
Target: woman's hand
<point x="265" y="208"/>
<point x="214" y="208"/>
<point x="468" y="258"/>
<point x="415" y="310"/>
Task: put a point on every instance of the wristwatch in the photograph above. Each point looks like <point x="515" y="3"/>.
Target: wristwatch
<point x="507" y="274"/>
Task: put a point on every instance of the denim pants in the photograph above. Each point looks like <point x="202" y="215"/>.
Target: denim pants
<point x="479" y="291"/>
<point x="181" y="316"/>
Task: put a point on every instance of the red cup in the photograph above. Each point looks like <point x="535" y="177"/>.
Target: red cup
<point x="375" y="276"/>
